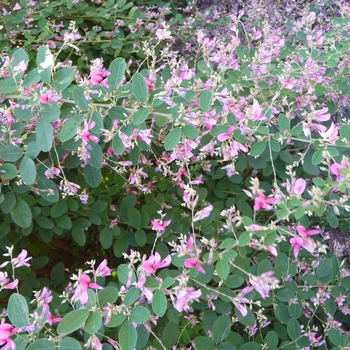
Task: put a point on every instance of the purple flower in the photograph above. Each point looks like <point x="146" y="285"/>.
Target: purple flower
<point x="154" y="263"/>
<point x="202" y="214"/>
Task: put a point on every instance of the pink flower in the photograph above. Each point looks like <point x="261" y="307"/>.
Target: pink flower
<point x="261" y="202"/>
<point x="193" y="262"/>
<point x="52" y="320"/>
<point x="160" y="225"/>
<point x="50" y="96"/>
<point x="154" y="263"/>
<point x="264" y="283"/>
<point x="6" y="330"/>
<point x="226" y="135"/>
<point x="202" y="214"/>
<point x="85" y="134"/>
<point x="22" y="259"/>
<point x="96" y="77"/>
<point x="299" y="186"/>
<point x="336" y="168"/>
<point x="184" y="296"/>
<point x="4" y="282"/>
<point x="304" y="240"/>
<point x="146" y="292"/>
<point x="82" y="286"/>
<point x="103" y="270"/>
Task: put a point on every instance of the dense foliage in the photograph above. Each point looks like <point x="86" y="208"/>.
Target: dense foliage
<point x="164" y="188"/>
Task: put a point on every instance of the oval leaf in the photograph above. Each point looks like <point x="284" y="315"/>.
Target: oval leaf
<point x="69" y="344"/>
<point x="117" y="69"/>
<point x="140" y="314"/>
<point x="172" y="139"/>
<point x="21" y="214"/>
<point x="139" y="87"/>
<point x="80" y="99"/>
<point x="18" y="311"/>
<point x="27" y="170"/>
<point x="159" y="303"/>
<point x="44" y="61"/>
<point x="73" y="321"/>
<point x="8" y="171"/>
<point x="140" y="116"/>
<point x="93" y="322"/>
<point x="42" y="344"/>
<point x="63" y="78"/>
<point x="258" y="148"/>
<point x="127" y="336"/>
<point x="44" y="135"/>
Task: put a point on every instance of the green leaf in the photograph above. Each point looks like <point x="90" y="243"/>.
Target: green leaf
<point x="172" y="139"/>
<point x="301" y="36"/>
<point x="92" y="175"/>
<point x="48" y="189"/>
<point x="123" y="274"/>
<point x="127" y="336"/>
<point x="18" y="56"/>
<point x="318" y="157"/>
<point x="79" y="236"/>
<point x="21" y="214"/>
<point x="190" y="131"/>
<point x="27" y="170"/>
<point x="159" y="303"/>
<point x="69" y="344"/>
<point x="80" y="99"/>
<point x="50" y="112"/>
<point x="221" y="328"/>
<point x="8" y="203"/>
<point x="251" y="346"/>
<point x="324" y="270"/>
<point x="204" y="343"/>
<point x="63" y="78"/>
<point x="258" y="148"/>
<point x="42" y="344"/>
<point x="70" y="128"/>
<point x="117" y="69"/>
<point x="106" y="238"/>
<point x="140" y="116"/>
<point x="131" y="296"/>
<point x="222" y="268"/>
<point x="108" y="295"/>
<point x="171" y="334"/>
<point x="293" y="329"/>
<point x="45" y="62"/>
<point x="11" y="153"/>
<point x="73" y="321"/>
<point x="139" y="87"/>
<point x="205" y="100"/>
<point x="244" y="239"/>
<point x="96" y="154"/>
<point x="31" y="78"/>
<point x="283" y="122"/>
<point x="44" y="135"/>
<point x="271" y="340"/>
<point x="93" y="322"/>
<point x="18" y="311"/>
<point x="7" y="86"/>
<point x="140" y="314"/>
<point x="8" y="171"/>
<point x="134" y="217"/>
<point x="334" y="337"/>
<point x="118" y="145"/>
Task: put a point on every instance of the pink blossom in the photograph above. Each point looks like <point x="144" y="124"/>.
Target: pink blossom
<point x="154" y="263"/>
<point x="102" y="269"/>
<point x="163" y="34"/>
<point x="184" y="296"/>
<point x="96" y="77"/>
<point x="4" y="282"/>
<point x="160" y="225"/>
<point x="85" y="134"/>
<point x="303" y="240"/>
<point x="50" y="96"/>
<point x="256" y="111"/>
<point x="336" y="168"/>
<point x="264" y="283"/>
<point x="146" y="292"/>
<point x="202" y="214"/>
<point x="81" y="294"/>
<point x="299" y="186"/>
<point x="262" y="202"/>
<point x="52" y="172"/>
<point x="239" y="300"/>
<point x="226" y="135"/>
<point x="194" y="263"/>
<point x="52" y="320"/>
<point x="22" y="259"/>
<point x="6" y="330"/>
